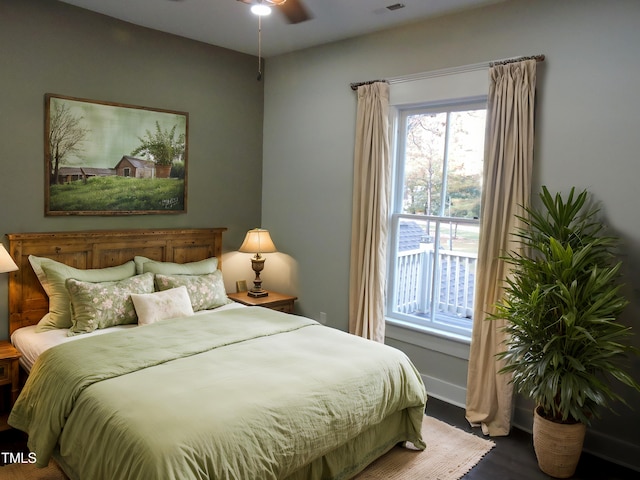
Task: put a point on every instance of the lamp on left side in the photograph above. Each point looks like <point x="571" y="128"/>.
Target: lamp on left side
<point x="6" y="262"/>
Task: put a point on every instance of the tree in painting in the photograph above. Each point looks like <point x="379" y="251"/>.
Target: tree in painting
<point x="162" y="146"/>
<point x="65" y="136"/>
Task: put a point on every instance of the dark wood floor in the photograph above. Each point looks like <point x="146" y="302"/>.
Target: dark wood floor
<point x="511" y="458"/>
<point x="12" y="441"/>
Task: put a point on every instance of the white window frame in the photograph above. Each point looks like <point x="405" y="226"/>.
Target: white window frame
<point x="435" y="323"/>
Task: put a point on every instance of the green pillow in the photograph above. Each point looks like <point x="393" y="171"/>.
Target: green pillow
<point x="205" y="291"/>
<point x="202" y="267"/>
<point x="53" y="275"/>
<point x="105" y="304"/>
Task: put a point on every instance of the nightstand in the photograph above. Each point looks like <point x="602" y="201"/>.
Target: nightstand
<point x="9" y="381"/>
<point x="274" y="301"/>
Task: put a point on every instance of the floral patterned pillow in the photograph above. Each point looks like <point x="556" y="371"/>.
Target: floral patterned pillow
<point x="106" y="304"/>
<point x="205" y="291"/>
<point x="53" y="275"/>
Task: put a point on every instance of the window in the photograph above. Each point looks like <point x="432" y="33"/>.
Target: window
<point x="434" y="223"/>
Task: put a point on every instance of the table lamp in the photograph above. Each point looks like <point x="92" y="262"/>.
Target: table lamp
<point x="6" y="262"/>
<point x="257" y="241"/>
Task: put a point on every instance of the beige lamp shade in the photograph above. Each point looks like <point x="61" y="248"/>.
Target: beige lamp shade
<point x="257" y="240"/>
<point x="6" y="262"/>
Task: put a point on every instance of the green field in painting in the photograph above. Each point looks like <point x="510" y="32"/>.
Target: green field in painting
<point x="118" y="194"/>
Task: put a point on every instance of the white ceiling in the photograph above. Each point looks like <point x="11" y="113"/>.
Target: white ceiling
<point x="230" y="24"/>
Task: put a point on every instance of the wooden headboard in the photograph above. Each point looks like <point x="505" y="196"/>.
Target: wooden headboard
<point x="28" y="302"/>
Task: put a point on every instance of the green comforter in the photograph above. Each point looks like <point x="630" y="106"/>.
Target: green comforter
<point x="235" y="394"/>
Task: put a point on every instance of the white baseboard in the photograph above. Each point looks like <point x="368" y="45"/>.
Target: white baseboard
<point x="447" y="392"/>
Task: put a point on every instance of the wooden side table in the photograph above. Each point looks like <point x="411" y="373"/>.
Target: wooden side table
<point x="274" y="301"/>
<point x="9" y="376"/>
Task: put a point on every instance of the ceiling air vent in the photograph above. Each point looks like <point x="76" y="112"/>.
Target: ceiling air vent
<point x="395" y="6"/>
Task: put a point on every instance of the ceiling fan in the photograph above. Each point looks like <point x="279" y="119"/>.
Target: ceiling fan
<point x="293" y="10"/>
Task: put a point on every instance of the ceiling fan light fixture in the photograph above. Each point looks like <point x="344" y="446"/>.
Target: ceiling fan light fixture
<point x="261" y="10"/>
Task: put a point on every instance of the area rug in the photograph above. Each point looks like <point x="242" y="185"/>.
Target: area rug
<point x="26" y="471"/>
<point x="450" y="453"/>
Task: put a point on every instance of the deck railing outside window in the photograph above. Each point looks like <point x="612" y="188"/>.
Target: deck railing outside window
<point x="454" y="280"/>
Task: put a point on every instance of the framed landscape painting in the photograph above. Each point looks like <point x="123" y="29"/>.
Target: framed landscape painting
<point x="106" y="158"/>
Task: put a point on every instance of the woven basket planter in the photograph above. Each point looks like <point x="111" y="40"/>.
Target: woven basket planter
<point x="557" y="445"/>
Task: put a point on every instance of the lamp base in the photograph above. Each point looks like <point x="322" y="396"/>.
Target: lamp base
<point x="257" y="293"/>
<point x="257" y="264"/>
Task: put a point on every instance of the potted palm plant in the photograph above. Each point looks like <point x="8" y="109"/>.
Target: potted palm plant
<point x="564" y="342"/>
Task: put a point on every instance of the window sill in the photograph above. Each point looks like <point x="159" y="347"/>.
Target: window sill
<point x="429" y="338"/>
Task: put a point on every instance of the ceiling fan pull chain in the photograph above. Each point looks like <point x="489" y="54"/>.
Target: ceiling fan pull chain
<point x="259" y="48"/>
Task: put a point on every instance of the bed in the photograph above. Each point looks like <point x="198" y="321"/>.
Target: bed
<point x="222" y="392"/>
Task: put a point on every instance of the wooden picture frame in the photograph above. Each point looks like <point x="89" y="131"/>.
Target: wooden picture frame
<point x="104" y="158"/>
<point x="241" y="286"/>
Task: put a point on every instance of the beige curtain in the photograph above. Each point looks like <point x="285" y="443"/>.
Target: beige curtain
<point x="371" y="192"/>
<point x="506" y="187"/>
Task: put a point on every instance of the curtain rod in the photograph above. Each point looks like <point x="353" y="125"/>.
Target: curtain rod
<point x="354" y="86"/>
<point x="537" y="58"/>
<point x="449" y="71"/>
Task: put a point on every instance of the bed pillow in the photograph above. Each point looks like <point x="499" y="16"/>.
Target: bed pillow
<point x="152" y="307"/>
<point x="202" y="267"/>
<point x="105" y="304"/>
<point x="53" y="275"/>
<point x="205" y="291"/>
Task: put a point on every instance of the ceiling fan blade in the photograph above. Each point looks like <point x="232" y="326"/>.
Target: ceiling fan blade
<point x="294" y="11"/>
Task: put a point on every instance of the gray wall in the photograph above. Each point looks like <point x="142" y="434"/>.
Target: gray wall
<point x="587" y="122"/>
<point x="51" y="47"/>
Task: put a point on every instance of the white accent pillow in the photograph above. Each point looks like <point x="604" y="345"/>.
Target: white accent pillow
<point x="152" y="307"/>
